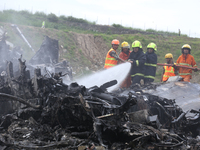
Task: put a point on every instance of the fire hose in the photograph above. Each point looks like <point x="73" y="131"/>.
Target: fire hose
<point x="179" y="66"/>
<point x="160" y="64"/>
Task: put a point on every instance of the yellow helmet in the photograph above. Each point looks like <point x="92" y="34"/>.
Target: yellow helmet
<point x="186" y="46"/>
<point x="168" y="55"/>
<point x="136" y="44"/>
<point x="153" y="46"/>
<point x="125" y="45"/>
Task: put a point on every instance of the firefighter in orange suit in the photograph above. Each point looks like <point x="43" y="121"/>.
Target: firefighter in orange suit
<point x="168" y="71"/>
<point x="186" y="59"/>
<point x="124" y="55"/>
<point x="112" y="57"/>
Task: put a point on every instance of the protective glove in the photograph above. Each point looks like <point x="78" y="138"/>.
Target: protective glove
<point x="195" y="70"/>
<point x="113" y="54"/>
<point x="174" y="66"/>
<point x="131" y="60"/>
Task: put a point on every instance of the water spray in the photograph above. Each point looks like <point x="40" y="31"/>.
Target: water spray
<point x="118" y="73"/>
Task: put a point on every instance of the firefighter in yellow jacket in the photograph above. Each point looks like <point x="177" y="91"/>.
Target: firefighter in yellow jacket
<point x="112" y="57"/>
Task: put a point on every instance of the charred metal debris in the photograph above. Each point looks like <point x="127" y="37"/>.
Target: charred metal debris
<point x="42" y="112"/>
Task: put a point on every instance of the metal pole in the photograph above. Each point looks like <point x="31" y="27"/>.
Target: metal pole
<point x="24" y="38"/>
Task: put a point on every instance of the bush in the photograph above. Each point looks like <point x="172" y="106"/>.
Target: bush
<point x="150" y="30"/>
<point x="72" y="19"/>
<point x="117" y="26"/>
<point x="52" y="18"/>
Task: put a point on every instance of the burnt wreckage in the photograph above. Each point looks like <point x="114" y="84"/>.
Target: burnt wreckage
<point x="42" y="112"/>
<point x="46" y="58"/>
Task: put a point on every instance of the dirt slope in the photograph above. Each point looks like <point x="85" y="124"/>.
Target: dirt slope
<point x="93" y="48"/>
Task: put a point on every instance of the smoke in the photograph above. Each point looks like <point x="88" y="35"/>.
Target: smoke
<point x="118" y="73"/>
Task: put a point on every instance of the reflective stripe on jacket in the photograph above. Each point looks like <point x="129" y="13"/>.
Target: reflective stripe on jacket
<point x="186" y="60"/>
<point x="169" y="72"/>
<point x="137" y="68"/>
<point x="110" y="61"/>
<point x="150" y="65"/>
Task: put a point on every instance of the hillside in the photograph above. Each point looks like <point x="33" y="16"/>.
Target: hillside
<point x="87" y="49"/>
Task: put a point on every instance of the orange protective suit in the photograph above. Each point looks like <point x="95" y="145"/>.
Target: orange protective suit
<point x="186" y="60"/>
<point x="169" y="72"/>
<point x="127" y="82"/>
<point x="110" y="61"/>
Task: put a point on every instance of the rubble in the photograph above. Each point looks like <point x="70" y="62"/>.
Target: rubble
<point x="40" y="111"/>
<point x="45" y="113"/>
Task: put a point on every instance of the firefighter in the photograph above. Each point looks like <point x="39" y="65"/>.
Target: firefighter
<point x="124" y="55"/>
<point x="125" y="51"/>
<point x="151" y="63"/>
<point x="168" y="71"/>
<point x="112" y="57"/>
<point x="186" y="59"/>
<point x="137" y="58"/>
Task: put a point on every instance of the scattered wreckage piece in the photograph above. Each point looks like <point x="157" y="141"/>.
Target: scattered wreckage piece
<point x="186" y="94"/>
<point x="8" y="55"/>
<point x="46" y="58"/>
<point x="48" y="52"/>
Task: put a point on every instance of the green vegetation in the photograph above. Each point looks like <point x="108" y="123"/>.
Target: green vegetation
<point x="117" y="26"/>
<point x="56" y="27"/>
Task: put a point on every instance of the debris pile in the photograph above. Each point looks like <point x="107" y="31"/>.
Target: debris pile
<point x="44" y="113"/>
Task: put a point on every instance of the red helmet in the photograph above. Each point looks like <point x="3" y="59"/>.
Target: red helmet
<point x="115" y="41"/>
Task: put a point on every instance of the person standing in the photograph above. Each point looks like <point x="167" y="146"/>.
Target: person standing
<point x="186" y="59"/>
<point x="168" y="71"/>
<point x="137" y="58"/>
<point x="112" y="57"/>
<point x="124" y="55"/>
<point x="151" y="63"/>
<point x="43" y="24"/>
